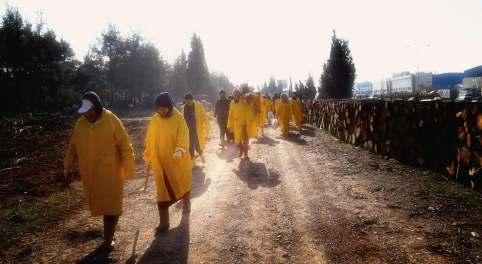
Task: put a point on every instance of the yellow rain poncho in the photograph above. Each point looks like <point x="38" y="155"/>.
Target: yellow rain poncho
<point x="105" y="157"/>
<point x="202" y="124"/>
<point x="276" y="106"/>
<point x="263" y="112"/>
<point x="238" y="119"/>
<point x="297" y="110"/>
<point x="253" y="114"/>
<point x="165" y="136"/>
<point x="284" y="116"/>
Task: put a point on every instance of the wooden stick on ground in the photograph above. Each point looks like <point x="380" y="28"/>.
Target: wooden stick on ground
<point x="147" y="179"/>
<point x="136" y="237"/>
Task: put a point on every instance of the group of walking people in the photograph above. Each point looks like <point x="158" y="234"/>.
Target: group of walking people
<point x="246" y="114"/>
<point x="101" y="147"/>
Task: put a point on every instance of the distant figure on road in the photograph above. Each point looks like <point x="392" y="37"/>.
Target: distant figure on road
<point x="198" y="124"/>
<point x="221" y="112"/>
<point x="297" y="110"/>
<point x="263" y="113"/>
<point x="284" y="114"/>
<point x="238" y="122"/>
<point x="167" y="144"/>
<point x="276" y="102"/>
<point x="101" y="147"/>
<point x="253" y="100"/>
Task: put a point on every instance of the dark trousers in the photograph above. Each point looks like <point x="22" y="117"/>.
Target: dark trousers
<point x="223" y="128"/>
<point x="194" y="142"/>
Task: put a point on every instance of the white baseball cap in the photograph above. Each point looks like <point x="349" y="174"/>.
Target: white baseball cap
<point x="86" y="105"/>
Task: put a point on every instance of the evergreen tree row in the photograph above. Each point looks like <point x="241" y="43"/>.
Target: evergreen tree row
<point x="38" y="72"/>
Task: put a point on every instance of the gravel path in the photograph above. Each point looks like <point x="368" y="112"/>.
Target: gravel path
<point x="303" y="199"/>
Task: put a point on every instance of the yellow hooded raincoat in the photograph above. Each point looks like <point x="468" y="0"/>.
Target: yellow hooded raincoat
<point x="202" y="124"/>
<point x="276" y="106"/>
<point x="105" y="157"/>
<point x="238" y="119"/>
<point x="297" y="110"/>
<point x="263" y="113"/>
<point x="253" y="114"/>
<point x="284" y="116"/>
<point x="164" y="136"/>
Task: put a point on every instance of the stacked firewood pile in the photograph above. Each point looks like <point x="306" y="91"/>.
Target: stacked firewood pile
<point x="443" y="136"/>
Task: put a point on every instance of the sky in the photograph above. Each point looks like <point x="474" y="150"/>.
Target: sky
<point x="252" y="40"/>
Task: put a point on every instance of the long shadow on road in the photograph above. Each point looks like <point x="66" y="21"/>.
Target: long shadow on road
<point x="267" y="141"/>
<point x="199" y="182"/>
<point x="256" y="174"/>
<point x="170" y="247"/>
<point x="295" y="138"/>
<point x="228" y="154"/>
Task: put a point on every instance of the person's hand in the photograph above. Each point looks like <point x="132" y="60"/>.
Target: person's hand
<point x="177" y="154"/>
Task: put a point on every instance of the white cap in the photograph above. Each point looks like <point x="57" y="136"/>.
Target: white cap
<point x="86" y="105"/>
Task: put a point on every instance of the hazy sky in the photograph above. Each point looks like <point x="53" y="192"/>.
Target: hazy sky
<point x="251" y="40"/>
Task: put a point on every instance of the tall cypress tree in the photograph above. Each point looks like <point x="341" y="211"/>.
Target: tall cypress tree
<point x="197" y="70"/>
<point x="178" y="82"/>
<point x="339" y="72"/>
<point x="310" y="89"/>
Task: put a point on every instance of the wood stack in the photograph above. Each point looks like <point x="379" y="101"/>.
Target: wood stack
<point x="443" y="136"/>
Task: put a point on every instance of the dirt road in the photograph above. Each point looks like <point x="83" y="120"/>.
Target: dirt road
<point x="303" y="199"/>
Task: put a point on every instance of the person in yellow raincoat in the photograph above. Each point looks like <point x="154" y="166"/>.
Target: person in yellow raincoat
<point x="253" y="111"/>
<point x="167" y="154"/>
<point x="268" y="107"/>
<point x="198" y="125"/>
<point x="284" y="114"/>
<point x="263" y="113"/>
<point x="276" y="102"/>
<point x="238" y="122"/>
<point x="103" y="151"/>
<point x="297" y="110"/>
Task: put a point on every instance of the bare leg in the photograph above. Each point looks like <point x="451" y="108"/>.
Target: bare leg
<point x="187" y="202"/>
<point x="246" y="148"/>
<point x="241" y="149"/>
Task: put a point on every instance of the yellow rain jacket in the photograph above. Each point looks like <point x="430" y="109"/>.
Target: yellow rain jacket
<point x="284" y="116"/>
<point x="105" y="157"/>
<point x="263" y="113"/>
<point x="238" y="119"/>
<point x="297" y="110"/>
<point x="253" y="113"/>
<point x="276" y="106"/>
<point x="202" y="124"/>
<point x="165" y="136"/>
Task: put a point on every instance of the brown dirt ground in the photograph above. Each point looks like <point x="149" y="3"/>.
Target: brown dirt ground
<point x="301" y="199"/>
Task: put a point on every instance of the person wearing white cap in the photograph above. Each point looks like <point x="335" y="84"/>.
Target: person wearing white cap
<point x="103" y="151"/>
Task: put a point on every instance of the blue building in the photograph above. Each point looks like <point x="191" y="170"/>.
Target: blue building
<point x="473" y="72"/>
<point x="448" y="80"/>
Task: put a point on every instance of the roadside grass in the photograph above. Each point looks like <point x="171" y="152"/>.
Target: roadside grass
<point x="437" y="184"/>
<point x="35" y="215"/>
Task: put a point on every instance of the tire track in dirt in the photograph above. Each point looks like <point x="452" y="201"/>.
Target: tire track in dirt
<point x="327" y="227"/>
<point x="352" y="225"/>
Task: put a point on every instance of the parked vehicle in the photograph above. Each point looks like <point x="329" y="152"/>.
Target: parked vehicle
<point x="468" y="95"/>
<point x="430" y="96"/>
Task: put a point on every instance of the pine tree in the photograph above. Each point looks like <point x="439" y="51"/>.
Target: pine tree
<point x="310" y="89"/>
<point x="339" y="72"/>
<point x="272" y="87"/>
<point x="178" y="81"/>
<point x="198" y="76"/>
